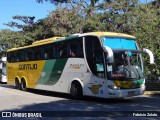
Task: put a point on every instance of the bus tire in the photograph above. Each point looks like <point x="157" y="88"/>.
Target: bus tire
<point x="23" y="85"/>
<point x="76" y="90"/>
<point x="17" y="84"/>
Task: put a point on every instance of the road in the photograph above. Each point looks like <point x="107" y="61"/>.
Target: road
<point x="35" y="101"/>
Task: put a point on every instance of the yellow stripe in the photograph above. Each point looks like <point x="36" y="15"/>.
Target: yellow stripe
<point x="125" y="84"/>
<point x="30" y="75"/>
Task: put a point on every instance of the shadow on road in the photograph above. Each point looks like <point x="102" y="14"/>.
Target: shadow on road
<point x="90" y="107"/>
<point x="68" y="96"/>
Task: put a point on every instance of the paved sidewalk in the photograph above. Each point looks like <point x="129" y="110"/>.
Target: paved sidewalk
<point x="152" y="93"/>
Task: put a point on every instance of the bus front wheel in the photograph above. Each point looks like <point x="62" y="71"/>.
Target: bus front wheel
<point x="76" y="90"/>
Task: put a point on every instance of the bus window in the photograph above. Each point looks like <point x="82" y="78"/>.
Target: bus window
<point x="75" y="47"/>
<point x="94" y="55"/>
<point x="48" y="52"/>
<point x="20" y="56"/>
<point x="72" y="48"/>
<point x="37" y="53"/>
<point x="13" y="56"/>
<point x="29" y="54"/>
<point x="55" y="51"/>
<point x="9" y="57"/>
<point x="63" y="49"/>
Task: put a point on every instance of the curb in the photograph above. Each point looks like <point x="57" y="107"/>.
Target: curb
<point x="152" y="93"/>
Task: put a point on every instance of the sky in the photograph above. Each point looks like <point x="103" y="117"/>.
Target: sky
<point x="9" y="8"/>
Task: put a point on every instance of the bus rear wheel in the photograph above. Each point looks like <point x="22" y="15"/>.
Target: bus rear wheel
<point x="23" y="85"/>
<point x="76" y="90"/>
<point x="17" y="84"/>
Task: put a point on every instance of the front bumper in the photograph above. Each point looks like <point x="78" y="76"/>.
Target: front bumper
<point x="111" y="93"/>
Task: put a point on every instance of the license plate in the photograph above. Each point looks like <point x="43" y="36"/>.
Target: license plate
<point x="131" y="93"/>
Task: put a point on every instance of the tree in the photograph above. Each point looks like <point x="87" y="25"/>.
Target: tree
<point x="89" y="7"/>
<point x="145" y="27"/>
<point x="140" y="20"/>
<point x="76" y="16"/>
<point x="27" y="20"/>
<point x="31" y="30"/>
<point x="13" y="38"/>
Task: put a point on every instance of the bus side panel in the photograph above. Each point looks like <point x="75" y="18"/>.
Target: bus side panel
<point x="74" y="70"/>
<point x="11" y="73"/>
<point x="30" y="71"/>
<point x="51" y="75"/>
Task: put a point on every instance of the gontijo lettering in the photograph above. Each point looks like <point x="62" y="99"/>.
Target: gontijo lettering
<point x="28" y="67"/>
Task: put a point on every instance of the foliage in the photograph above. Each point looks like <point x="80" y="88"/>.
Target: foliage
<point x="13" y="38"/>
<point x="79" y="16"/>
<point x="29" y="31"/>
<point x="146" y="29"/>
<point x="25" y="19"/>
<point x="53" y="1"/>
<point x="64" y="22"/>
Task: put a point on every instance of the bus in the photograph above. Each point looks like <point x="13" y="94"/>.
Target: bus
<point x="98" y="64"/>
<point x="3" y="76"/>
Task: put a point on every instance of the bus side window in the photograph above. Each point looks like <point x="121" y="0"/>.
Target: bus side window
<point x="47" y="52"/>
<point x="20" y="56"/>
<point x="80" y="48"/>
<point x="37" y="53"/>
<point x="94" y="55"/>
<point x="99" y="62"/>
<point x="9" y="57"/>
<point x="63" y="53"/>
<point x="13" y="56"/>
<point x="55" y="51"/>
<point x="72" y="49"/>
<point x="29" y="54"/>
<point x="75" y="47"/>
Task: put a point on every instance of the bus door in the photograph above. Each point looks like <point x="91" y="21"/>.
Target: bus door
<point x="95" y="63"/>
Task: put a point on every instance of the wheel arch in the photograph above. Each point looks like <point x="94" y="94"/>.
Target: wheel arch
<point x="76" y="80"/>
<point x="17" y="78"/>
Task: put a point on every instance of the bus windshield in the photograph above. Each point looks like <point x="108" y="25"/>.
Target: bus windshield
<point x="127" y="59"/>
<point x="119" y="43"/>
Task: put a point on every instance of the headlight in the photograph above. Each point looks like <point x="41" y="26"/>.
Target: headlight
<point x="113" y="87"/>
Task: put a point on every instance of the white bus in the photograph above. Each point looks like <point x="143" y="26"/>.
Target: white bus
<point x="99" y="64"/>
<point x="3" y="76"/>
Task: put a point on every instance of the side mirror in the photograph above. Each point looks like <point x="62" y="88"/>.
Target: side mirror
<point x="150" y="55"/>
<point x="110" y="54"/>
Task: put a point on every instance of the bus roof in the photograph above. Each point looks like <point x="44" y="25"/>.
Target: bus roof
<point x="56" y="39"/>
<point x="111" y="34"/>
<point x="37" y="43"/>
<point x="98" y="34"/>
<point x="46" y="40"/>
